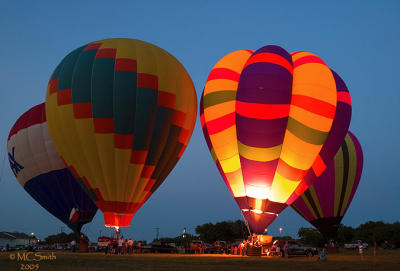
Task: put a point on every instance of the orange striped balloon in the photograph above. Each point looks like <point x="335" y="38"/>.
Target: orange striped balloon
<point x="268" y="117"/>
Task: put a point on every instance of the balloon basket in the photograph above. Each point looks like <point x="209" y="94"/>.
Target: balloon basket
<point x="254" y="251"/>
<point x="83" y="246"/>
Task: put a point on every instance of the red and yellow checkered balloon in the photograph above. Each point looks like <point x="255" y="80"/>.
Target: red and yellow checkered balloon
<point x="121" y="113"/>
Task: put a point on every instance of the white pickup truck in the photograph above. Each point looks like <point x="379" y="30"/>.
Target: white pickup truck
<point x="356" y="244"/>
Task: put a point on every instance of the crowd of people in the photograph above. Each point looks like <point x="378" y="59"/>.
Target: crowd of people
<point x="122" y="246"/>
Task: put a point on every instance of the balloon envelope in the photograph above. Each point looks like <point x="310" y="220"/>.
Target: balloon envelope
<point x="268" y="117"/>
<point x="326" y="201"/>
<point x="42" y="173"/>
<point x="121" y="113"/>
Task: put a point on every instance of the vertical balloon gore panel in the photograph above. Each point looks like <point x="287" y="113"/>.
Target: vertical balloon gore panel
<point x="121" y="112"/>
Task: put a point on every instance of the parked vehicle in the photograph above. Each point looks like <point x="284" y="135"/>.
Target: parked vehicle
<point x="296" y="248"/>
<point x="163" y="247"/>
<point x="356" y="244"/>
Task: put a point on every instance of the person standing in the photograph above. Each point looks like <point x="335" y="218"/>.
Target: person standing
<point x="322" y="255"/>
<point x="361" y="251"/>
<point x="130" y="246"/>
<point x="73" y="245"/>
<point x="285" y="249"/>
<point x="375" y="248"/>
<point x="120" y="243"/>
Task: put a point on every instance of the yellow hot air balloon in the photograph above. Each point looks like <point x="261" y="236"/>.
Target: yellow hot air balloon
<point x="121" y="113"/>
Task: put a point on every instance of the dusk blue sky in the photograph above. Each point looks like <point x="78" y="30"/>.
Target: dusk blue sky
<point x="358" y="39"/>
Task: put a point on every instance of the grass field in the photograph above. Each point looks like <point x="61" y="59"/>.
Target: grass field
<point x="349" y="260"/>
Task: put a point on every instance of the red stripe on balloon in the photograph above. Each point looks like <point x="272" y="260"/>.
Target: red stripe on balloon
<point x="149" y="185"/>
<point x="53" y="84"/>
<point x="125" y="64"/>
<point x="147" y="171"/>
<point x="82" y="110"/>
<point x="314" y="105"/>
<point x="202" y="120"/>
<point x="262" y="111"/>
<point x="64" y="96"/>
<point x="166" y="99"/>
<point x="270" y="58"/>
<point x="344" y="97"/>
<point x="183" y="135"/>
<point x="307" y="60"/>
<point x="138" y="157"/>
<point x="106" y="53"/>
<point x="223" y="73"/>
<point x="147" y="81"/>
<point x="103" y="125"/>
<point x="319" y="166"/>
<point x="123" y="141"/>
<point x="182" y="150"/>
<point x="92" y="46"/>
<point x="220" y="124"/>
<point x="178" y="118"/>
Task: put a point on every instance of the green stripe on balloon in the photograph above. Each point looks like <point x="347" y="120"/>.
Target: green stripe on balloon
<point x="218" y="97"/>
<point x="125" y="90"/>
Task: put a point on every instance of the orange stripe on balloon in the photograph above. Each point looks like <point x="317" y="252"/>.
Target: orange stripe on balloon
<point x="318" y="166"/>
<point x="314" y="105"/>
<point x="307" y="60"/>
<point x="344" y="97"/>
<point x="220" y="124"/>
<point x="64" y="96"/>
<point x="223" y="73"/>
<point x="289" y="172"/>
<point x="103" y="125"/>
<point x="270" y="58"/>
<point x="262" y="111"/>
<point x="295" y="53"/>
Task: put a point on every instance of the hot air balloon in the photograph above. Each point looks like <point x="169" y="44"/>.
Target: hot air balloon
<point x="325" y="202"/>
<point x="43" y="174"/>
<point x="121" y="113"/>
<point x="271" y="118"/>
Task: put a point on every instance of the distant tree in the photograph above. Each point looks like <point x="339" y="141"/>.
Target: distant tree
<point x="179" y="240"/>
<point x="311" y="236"/>
<point x="223" y="231"/>
<point x="286" y="237"/>
<point x="345" y="234"/>
<point x="62" y="238"/>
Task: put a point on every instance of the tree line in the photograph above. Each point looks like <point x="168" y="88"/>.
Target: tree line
<point x="370" y="232"/>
